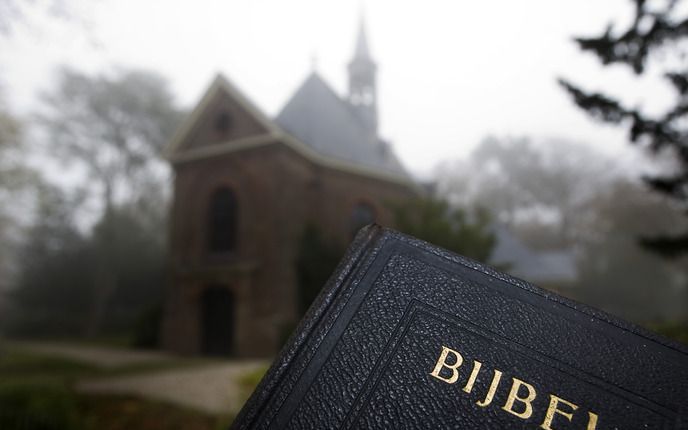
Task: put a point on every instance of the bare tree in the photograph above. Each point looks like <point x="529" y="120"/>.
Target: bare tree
<point x="15" y="180"/>
<point x="14" y="12"/>
<point x="524" y="183"/>
<point x="112" y="129"/>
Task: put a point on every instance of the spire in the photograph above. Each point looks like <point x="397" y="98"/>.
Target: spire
<point x="362" y="85"/>
<point x="314" y="62"/>
<point x="362" y="52"/>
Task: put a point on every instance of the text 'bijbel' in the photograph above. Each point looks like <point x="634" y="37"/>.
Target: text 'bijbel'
<point x="522" y="393"/>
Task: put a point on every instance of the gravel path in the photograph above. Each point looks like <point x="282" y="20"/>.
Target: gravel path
<point x="212" y="388"/>
<point x="208" y="386"/>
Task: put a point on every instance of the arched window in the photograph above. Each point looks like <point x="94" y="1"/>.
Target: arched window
<point x="222" y="221"/>
<point x="362" y="215"/>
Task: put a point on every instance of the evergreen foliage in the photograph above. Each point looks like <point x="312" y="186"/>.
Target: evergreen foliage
<point x="317" y="259"/>
<point x="430" y="219"/>
<point x="59" y="272"/>
<point x="657" y="27"/>
<point x="434" y="220"/>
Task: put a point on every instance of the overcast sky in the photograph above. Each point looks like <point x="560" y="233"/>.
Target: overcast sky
<point x="450" y="72"/>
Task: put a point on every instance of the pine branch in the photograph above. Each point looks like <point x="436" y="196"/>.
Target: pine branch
<point x="597" y="105"/>
<point x="634" y="45"/>
<point x="656" y="133"/>
<point x="679" y="80"/>
<point x="675" y="186"/>
<point x="651" y="30"/>
<point x="666" y="246"/>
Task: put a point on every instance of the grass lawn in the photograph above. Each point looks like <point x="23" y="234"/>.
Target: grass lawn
<point x="123" y="413"/>
<point x="36" y="392"/>
<point x="675" y="331"/>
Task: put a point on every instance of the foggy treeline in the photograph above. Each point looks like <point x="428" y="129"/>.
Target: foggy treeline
<point x="577" y="181"/>
<point x="556" y="194"/>
<point x="85" y="198"/>
<point x="83" y="236"/>
<point x="85" y="193"/>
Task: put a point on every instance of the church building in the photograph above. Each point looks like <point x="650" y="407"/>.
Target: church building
<point x="246" y="186"/>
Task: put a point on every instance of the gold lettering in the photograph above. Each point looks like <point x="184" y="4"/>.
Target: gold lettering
<point x="513" y="396"/>
<point x="552" y="410"/>
<point x="592" y="422"/>
<point x="446" y="369"/>
<point x="491" y="391"/>
<point x="473" y="377"/>
<point x="442" y="363"/>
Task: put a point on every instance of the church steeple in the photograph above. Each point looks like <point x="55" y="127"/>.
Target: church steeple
<point x="362" y="88"/>
<point x="362" y="50"/>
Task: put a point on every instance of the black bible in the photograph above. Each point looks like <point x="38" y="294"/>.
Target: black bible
<point x="407" y="335"/>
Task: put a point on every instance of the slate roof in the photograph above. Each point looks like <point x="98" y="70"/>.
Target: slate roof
<point x="534" y="266"/>
<point x="319" y="118"/>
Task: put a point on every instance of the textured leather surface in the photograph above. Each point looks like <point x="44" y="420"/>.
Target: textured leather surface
<point x="363" y="356"/>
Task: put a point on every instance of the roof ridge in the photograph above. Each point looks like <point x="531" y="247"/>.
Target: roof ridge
<point x="314" y="75"/>
<point x="319" y="117"/>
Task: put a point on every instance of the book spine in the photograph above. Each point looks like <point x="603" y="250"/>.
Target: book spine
<point x="272" y="380"/>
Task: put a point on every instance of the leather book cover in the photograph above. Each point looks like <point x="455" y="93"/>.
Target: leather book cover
<point x="407" y="335"/>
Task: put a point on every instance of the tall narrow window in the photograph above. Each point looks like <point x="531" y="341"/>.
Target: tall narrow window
<point x="362" y="215"/>
<point x="222" y="221"/>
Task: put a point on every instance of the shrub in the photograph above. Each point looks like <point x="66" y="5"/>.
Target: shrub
<point x="37" y="407"/>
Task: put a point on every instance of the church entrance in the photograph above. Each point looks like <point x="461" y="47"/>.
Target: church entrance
<point x="217" y="318"/>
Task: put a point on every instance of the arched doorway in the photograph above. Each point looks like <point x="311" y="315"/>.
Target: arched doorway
<point x="217" y="321"/>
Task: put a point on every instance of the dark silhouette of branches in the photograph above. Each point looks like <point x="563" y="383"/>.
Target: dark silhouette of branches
<point x="654" y="28"/>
